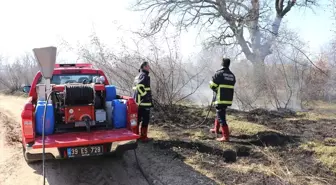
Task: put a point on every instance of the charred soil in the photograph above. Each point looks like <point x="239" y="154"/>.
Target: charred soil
<point x="266" y="147"/>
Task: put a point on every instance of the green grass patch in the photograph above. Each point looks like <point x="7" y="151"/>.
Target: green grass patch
<point x="158" y="133"/>
<point x="244" y="127"/>
<point x="325" y="152"/>
<point x="199" y="135"/>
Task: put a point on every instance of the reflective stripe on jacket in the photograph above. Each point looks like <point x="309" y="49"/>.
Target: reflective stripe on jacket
<point x="142" y="91"/>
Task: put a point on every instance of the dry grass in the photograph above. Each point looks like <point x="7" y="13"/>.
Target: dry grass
<point x="286" y="172"/>
<point x="310" y="163"/>
<point x="11" y="129"/>
<point x="245" y="127"/>
<point x="324" y="151"/>
<point x="321" y="110"/>
<point x="196" y="162"/>
<point x="157" y="133"/>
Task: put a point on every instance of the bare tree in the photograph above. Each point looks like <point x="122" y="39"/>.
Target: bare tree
<point x="226" y="22"/>
<point x="333" y="11"/>
<point x="172" y="79"/>
<point x="14" y="75"/>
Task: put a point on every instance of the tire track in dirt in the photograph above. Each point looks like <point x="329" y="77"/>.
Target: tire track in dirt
<point x="105" y="171"/>
<point x="11" y="131"/>
<point x="161" y="168"/>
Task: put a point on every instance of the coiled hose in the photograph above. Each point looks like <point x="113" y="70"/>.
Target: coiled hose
<point x="79" y="94"/>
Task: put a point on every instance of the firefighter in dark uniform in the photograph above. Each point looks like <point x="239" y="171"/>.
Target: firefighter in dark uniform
<point x="223" y="85"/>
<point x="143" y="97"/>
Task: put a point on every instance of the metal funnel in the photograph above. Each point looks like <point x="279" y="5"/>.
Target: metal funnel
<point x="46" y="57"/>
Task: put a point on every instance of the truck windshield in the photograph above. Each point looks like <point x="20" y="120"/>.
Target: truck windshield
<point x="69" y="78"/>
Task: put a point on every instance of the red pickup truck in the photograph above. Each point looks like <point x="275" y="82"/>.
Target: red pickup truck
<point x="84" y="116"/>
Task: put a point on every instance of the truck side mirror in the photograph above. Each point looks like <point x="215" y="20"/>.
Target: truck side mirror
<point x="26" y="88"/>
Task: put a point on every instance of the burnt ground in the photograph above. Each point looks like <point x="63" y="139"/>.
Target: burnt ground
<point x="267" y="147"/>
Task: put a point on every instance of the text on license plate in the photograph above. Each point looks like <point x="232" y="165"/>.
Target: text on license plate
<point x="85" y="151"/>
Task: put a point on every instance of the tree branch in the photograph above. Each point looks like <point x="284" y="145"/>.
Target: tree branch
<point x="234" y="14"/>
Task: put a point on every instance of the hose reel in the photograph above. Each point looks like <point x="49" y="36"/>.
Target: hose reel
<point x="78" y="94"/>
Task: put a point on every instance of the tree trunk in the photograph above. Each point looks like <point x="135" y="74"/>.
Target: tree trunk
<point x="260" y="81"/>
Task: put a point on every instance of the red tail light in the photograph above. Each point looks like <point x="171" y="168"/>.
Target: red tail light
<point x="132" y="108"/>
<point x="28" y="122"/>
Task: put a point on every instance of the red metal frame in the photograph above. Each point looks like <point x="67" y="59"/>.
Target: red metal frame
<point x="38" y="75"/>
<point x="87" y="65"/>
<point x="98" y="87"/>
<point x="79" y="111"/>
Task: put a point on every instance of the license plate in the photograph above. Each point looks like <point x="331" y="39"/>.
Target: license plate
<point x="85" y="151"/>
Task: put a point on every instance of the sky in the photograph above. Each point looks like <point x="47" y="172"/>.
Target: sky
<point x="26" y="24"/>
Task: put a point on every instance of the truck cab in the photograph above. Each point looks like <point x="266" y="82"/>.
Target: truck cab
<point x="82" y="116"/>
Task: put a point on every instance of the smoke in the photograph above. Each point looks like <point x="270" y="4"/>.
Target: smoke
<point x="284" y="81"/>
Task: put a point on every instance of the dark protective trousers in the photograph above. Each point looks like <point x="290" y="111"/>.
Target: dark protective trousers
<point x="221" y="115"/>
<point x="143" y="116"/>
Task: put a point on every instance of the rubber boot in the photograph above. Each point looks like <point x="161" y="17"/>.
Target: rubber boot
<point x="225" y="134"/>
<point x="215" y="130"/>
<point x="143" y="137"/>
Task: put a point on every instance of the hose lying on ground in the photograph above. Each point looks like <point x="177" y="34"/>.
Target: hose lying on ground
<point x="140" y="168"/>
<point x="209" y="110"/>
<point x="199" y="123"/>
<point x="43" y="140"/>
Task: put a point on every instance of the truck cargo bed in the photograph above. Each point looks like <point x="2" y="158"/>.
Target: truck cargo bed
<point x="84" y="138"/>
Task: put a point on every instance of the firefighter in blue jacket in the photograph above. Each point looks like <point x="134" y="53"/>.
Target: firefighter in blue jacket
<point x="143" y="97"/>
<point x="223" y="85"/>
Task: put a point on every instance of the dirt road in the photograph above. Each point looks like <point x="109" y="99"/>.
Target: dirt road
<point x="161" y="168"/>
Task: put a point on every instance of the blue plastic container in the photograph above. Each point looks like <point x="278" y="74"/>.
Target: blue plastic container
<point x="49" y="120"/>
<point x="41" y="102"/>
<point x="111" y="92"/>
<point x="119" y="117"/>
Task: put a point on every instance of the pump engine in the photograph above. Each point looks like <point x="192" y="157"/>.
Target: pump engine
<point x="79" y="105"/>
